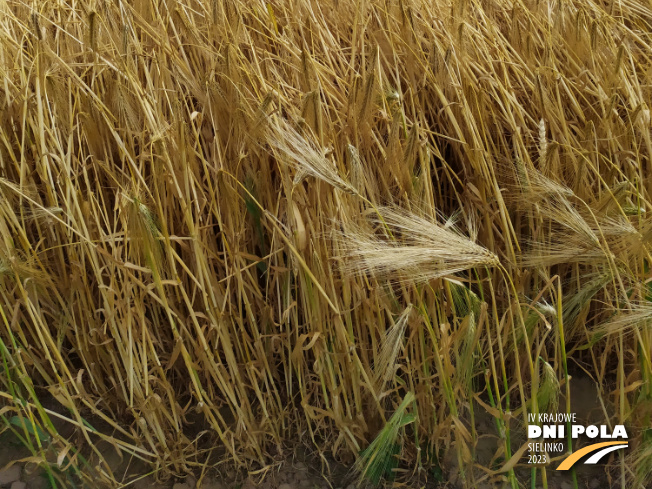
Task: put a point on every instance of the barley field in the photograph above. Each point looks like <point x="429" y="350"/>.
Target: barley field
<point x="388" y="232"/>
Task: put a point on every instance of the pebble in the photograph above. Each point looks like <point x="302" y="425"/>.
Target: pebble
<point x="211" y="484"/>
<point x="182" y="485"/>
<point x="18" y="485"/>
<point x="249" y="484"/>
<point x="7" y="476"/>
<point x="285" y="486"/>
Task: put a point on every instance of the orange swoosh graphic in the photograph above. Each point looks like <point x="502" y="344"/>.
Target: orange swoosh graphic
<point x="571" y="459"/>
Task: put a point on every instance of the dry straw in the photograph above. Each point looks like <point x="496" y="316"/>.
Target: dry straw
<point x="172" y="283"/>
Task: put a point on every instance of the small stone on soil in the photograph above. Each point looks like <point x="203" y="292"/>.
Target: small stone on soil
<point x="249" y="484"/>
<point x="7" y="476"/>
<point x="211" y="484"/>
<point x="181" y="485"/>
<point x="18" y="485"/>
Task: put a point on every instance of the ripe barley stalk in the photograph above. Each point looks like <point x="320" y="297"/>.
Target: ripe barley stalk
<point x="365" y="227"/>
